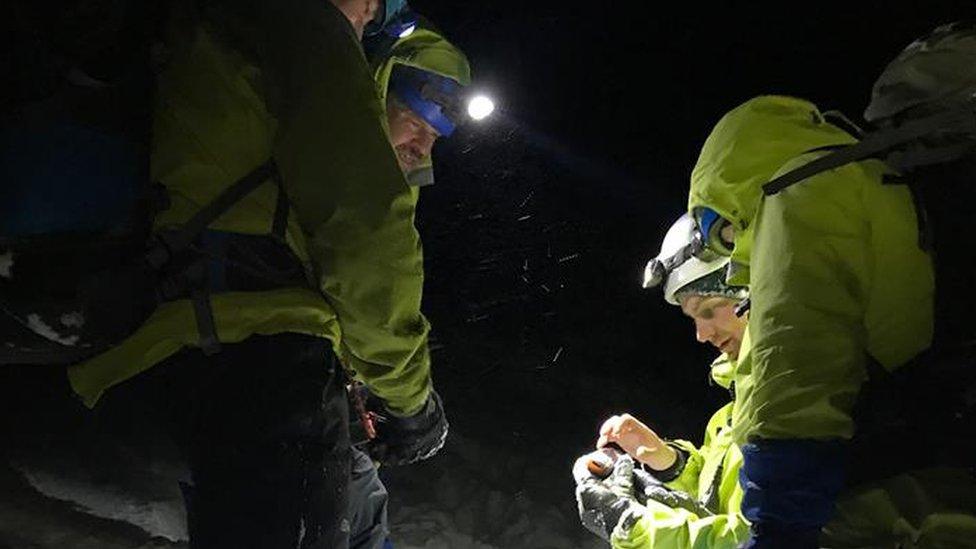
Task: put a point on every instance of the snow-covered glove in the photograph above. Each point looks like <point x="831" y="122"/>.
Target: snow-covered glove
<point x="606" y="504"/>
<point x="403" y="440"/>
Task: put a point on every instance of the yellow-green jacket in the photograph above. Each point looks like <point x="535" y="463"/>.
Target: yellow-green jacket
<point x="836" y="275"/>
<point x="824" y="296"/>
<point x="711" y="476"/>
<point x="287" y="80"/>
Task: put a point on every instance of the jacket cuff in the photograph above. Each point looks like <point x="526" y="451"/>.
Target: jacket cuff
<point x="672" y="472"/>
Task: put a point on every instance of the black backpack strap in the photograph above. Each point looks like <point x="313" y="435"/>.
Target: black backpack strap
<point x="202" y="311"/>
<point x="279" y="225"/>
<point x="168" y="243"/>
<point x="960" y="120"/>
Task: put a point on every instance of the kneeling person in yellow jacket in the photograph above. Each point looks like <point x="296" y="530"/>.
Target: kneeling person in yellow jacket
<point x="693" y="497"/>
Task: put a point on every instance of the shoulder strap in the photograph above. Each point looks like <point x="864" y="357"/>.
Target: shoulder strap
<point x="168" y="243"/>
<point x="959" y="120"/>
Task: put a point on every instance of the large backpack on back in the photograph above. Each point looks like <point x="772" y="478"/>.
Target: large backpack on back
<point x="922" y="123"/>
<point x="75" y="204"/>
<point x="922" y="116"/>
<point x="80" y="269"/>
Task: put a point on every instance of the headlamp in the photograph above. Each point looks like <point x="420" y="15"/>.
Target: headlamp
<point x="440" y="101"/>
<point x="480" y="107"/>
<point x="658" y="270"/>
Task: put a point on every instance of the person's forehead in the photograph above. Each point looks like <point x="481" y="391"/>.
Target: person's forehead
<point x="403" y="110"/>
<point x="423" y="122"/>
<point x="692" y="302"/>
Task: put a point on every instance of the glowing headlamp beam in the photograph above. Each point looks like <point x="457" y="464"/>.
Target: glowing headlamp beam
<point x="480" y="107"/>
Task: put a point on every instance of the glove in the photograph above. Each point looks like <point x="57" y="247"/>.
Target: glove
<point x="404" y="440"/>
<point x="609" y="503"/>
<point x="647" y="487"/>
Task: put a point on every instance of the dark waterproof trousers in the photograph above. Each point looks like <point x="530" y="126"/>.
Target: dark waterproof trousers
<point x="265" y="431"/>
<point x="264" y="428"/>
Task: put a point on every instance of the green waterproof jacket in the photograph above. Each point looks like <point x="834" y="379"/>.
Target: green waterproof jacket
<point x="836" y="276"/>
<point x="834" y="269"/>
<point x="428" y="50"/>
<point x="287" y="80"/>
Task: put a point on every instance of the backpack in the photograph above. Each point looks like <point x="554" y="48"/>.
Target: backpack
<point x="922" y="120"/>
<point x="80" y="269"/>
<point x="923" y="114"/>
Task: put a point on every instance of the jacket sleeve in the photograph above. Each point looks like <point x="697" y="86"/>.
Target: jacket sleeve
<point x="662" y="526"/>
<point x="687" y="479"/>
<point x="347" y="190"/>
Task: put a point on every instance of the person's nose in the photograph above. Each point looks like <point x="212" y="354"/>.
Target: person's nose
<point x="704" y="331"/>
<point x="425" y="143"/>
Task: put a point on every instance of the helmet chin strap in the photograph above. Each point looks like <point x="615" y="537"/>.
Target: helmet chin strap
<point x="742" y="307"/>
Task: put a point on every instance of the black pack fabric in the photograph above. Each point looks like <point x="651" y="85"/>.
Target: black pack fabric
<point x="921" y="415"/>
<point x="79" y="267"/>
<point x="75" y="206"/>
<point x="945" y="195"/>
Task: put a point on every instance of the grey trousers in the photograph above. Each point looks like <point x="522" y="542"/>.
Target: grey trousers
<point x="367" y="504"/>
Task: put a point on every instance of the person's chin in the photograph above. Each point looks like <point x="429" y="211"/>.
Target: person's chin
<point x="730" y="348"/>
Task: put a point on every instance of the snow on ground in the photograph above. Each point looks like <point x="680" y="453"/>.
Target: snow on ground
<point x="481" y="496"/>
<point x="473" y="495"/>
<point x="133" y="484"/>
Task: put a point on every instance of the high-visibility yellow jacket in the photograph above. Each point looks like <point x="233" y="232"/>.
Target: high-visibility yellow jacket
<point x="711" y="476"/>
<point x="928" y="508"/>
<point x="287" y="80"/>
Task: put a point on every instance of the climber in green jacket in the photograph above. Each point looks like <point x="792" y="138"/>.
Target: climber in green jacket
<point x="316" y="273"/>
<point x="412" y="134"/>
<point x="837" y="281"/>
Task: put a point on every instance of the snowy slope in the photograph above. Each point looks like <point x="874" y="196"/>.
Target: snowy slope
<point x="471" y="496"/>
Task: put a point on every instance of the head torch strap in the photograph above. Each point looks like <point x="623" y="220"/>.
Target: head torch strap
<point x="431" y="96"/>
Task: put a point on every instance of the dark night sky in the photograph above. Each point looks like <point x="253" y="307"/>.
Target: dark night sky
<point x="540" y="224"/>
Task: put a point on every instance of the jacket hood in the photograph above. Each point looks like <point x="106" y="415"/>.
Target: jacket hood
<point x="747" y="147"/>
<point x="427" y="50"/>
